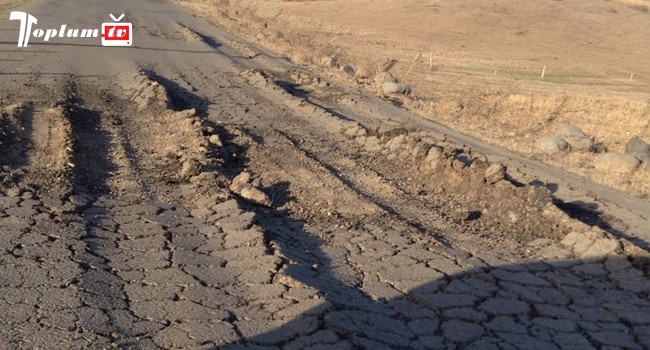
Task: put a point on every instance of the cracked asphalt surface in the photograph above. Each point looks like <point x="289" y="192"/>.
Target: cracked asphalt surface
<point x="118" y="229"/>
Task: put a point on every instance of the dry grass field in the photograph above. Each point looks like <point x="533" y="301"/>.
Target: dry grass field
<point x="478" y="65"/>
<point x="8" y="4"/>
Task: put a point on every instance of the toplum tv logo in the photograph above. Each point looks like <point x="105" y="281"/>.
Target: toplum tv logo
<point x="117" y="34"/>
<point x="112" y="34"/>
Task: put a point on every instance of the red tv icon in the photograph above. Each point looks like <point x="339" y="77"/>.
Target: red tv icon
<point x="117" y="34"/>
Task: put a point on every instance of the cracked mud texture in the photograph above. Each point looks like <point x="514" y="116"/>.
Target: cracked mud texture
<point x="150" y="275"/>
<point x="118" y="229"/>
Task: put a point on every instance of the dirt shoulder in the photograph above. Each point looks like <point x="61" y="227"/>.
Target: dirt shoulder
<point x="477" y="68"/>
<point x="9" y="4"/>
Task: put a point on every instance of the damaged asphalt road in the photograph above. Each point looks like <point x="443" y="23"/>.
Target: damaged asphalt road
<point x="119" y="228"/>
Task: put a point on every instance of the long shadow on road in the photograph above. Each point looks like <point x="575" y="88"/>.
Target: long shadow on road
<point x="571" y="304"/>
<point x="101" y="289"/>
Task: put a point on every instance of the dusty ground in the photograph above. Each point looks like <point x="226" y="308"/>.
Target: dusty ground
<point x="125" y="221"/>
<point x="8" y="4"/>
<point x="487" y="63"/>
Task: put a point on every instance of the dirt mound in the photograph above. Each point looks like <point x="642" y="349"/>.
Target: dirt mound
<point x="480" y="195"/>
<point x="481" y="189"/>
<point x="470" y="192"/>
<point x="187" y="33"/>
<point x="36" y="142"/>
<point x="12" y="134"/>
<point x="177" y="138"/>
<point x="145" y="92"/>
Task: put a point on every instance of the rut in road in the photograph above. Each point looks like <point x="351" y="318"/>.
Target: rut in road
<point x="116" y="262"/>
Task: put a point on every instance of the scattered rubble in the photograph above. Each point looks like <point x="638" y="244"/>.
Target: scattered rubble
<point x="467" y="178"/>
<point x="567" y="137"/>
<point x="576" y="138"/>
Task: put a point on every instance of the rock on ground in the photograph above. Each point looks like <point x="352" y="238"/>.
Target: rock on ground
<point x="576" y="138"/>
<point x="348" y="69"/>
<point x="638" y="148"/>
<point x="240" y="181"/>
<point x="616" y="163"/>
<point x="215" y="140"/>
<point x="386" y="64"/>
<point x="552" y="144"/>
<point x="495" y="173"/>
<point x="190" y="168"/>
<point x="372" y="144"/>
<point x="385" y="77"/>
<point x="565" y="130"/>
<point x="241" y="186"/>
<point x="254" y="195"/>
<point x="395" y="88"/>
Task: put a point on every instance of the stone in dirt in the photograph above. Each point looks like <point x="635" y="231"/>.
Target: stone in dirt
<point x="14" y="192"/>
<point x="616" y="163"/>
<point x="601" y="247"/>
<point x="242" y="187"/>
<point x="569" y="131"/>
<point x="351" y="132"/>
<point x="215" y="140"/>
<point x="384" y="77"/>
<point x="435" y="153"/>
<point x="395" y="143"/>
<point x="372" y="144"/>
<point x="395" y="88"/>
<point x="552" y="144"/>
<point x="348" y="69"/>
<point x="639" y="149"/>
<point x="386" y="64"/>
<point x="576" y="138"/>
<point x="495" y="173"/>
<point x="254" y="195"/>
<point x="240" y="181"/>
<point x="190" y="168"/>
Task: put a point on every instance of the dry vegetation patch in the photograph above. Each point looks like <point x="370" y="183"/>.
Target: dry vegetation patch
<point x="9" y="4"/>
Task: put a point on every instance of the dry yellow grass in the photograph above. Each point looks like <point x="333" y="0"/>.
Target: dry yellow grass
<point x="639" y="5"/>
<point x="488" y="60"/>
<point x="516" y="120"/>
<point x="9" y="4"/>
